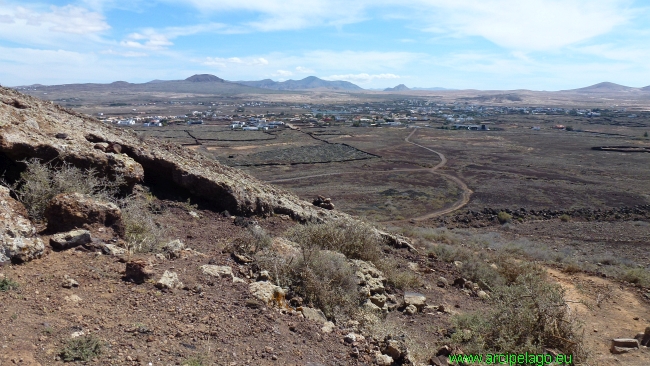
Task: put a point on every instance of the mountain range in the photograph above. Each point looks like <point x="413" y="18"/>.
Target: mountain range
<point x="211" y="84"/>
<point x="308" y="83"/>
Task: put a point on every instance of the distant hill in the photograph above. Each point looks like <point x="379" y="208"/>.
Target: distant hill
<point x="204" y="78"/>
<point x="308" y="83"/>
<point x="199" y="84"/>
<point x="646" y="88"/>
<point x="605" y="87"/>
<point x="400" y="87"/>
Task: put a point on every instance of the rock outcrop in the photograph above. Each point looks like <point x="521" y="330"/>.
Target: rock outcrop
<point x="28" y="129"/>
<point x="18" y="240"/>
<point x="70" y="211"/>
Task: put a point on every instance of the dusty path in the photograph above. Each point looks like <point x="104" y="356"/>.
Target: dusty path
<point x="608" y="310"/>
<point x="462" y="201"/>
<point x="465" y="191"/>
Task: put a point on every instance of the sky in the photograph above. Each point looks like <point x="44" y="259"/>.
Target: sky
<point x="460" y="44"/>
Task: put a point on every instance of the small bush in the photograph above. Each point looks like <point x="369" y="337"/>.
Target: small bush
<point x="194" y="361"/>
<point x="252" y="241"/>
<point x="40" y="182"/>
<point x="6" y="284"/>
<point x="528" y="316"/>
<point x="565" y="218"/>
<point x="141" y="231"/>
<point x="504" y="217"/>
<point x="639" y="276"/>
<point x="82" y="348"/>
<point x="325" y="280"/>
<point x="398" y="277"/>
<point x="572" y="268"/>
<point x="356" y="240"/>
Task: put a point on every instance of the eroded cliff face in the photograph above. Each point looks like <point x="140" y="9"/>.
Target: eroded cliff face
<point x="33" y="128"/>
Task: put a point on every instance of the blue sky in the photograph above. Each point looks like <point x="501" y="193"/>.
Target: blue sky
<point x="464" y="44"/>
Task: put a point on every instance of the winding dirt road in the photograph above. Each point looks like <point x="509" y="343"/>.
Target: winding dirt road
<point x="462" y="201"/>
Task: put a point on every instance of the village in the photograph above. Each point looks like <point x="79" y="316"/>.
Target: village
<point x="258" y="115"/>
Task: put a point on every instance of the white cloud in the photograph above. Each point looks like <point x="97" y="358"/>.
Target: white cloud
<point x="7" y="19"/>
<point x="304" y="70"/>
<point x="514" y="24"/>
<point x="66" y="19"/>
<point x="50" y="26"/>
<point x="288" y="14"/>
<point x="528" y="25"/>
<point x="154" y="39"/>
<point x="362" y="78"/>
<point x="124" y="53"/>
<point x="148" y="40"/>
<point x="283" y="73"/>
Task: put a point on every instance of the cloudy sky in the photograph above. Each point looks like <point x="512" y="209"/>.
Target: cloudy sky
<point x="480" y="44"/>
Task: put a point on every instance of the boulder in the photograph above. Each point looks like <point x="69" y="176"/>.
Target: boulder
<point x="220" y="272"/>
<point x="312" y="314"/>
<point x="644" y="338"/>
<point x="370" y="279"/>
<point x="173" y="249"/>
<point x="383" y="360"/>
<point x="415" y="299"/>
<point x="395" y="348"/>
<point x="410" y="310"/>
<point x="112" y="249"/>
<point x="269" y="293"/>
<point x="169" y="281"/>
<point x="137" y="271"/>
<point x="18" y="239"/>
<point x="624" y="345"/>
<point x="442" y="282"/>
<point x="68" y="211"/>
<point x="71" y="239"/>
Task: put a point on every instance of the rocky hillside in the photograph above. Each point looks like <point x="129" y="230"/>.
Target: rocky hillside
<point x="32" y="128"/>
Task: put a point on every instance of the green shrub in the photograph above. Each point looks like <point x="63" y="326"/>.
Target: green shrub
<point x="40" y="182"/>
<point x="356" y="240"/>
<point x="504" y="217"/>
<point x="82" y="348"/>
<point x="565" y="218"/>
<point x="530" y="315"/>
<point x="194" y="361"/>
<point x="6" y="284"/>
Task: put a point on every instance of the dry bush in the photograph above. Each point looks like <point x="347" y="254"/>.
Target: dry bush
<point x="572" y="268"/>
<point x="396" y="276"/>
<point x="356" y="240"/>
<point x="141" y="231"/>
<point x="40" y="182"/>
<point x="530" y="315"/>
<point x="325" y="280"/>
<point x="639" y="276"/>
<point x="253" y="240"/>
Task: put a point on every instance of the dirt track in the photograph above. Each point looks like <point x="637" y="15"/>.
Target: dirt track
<point x="462" y="201"/>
